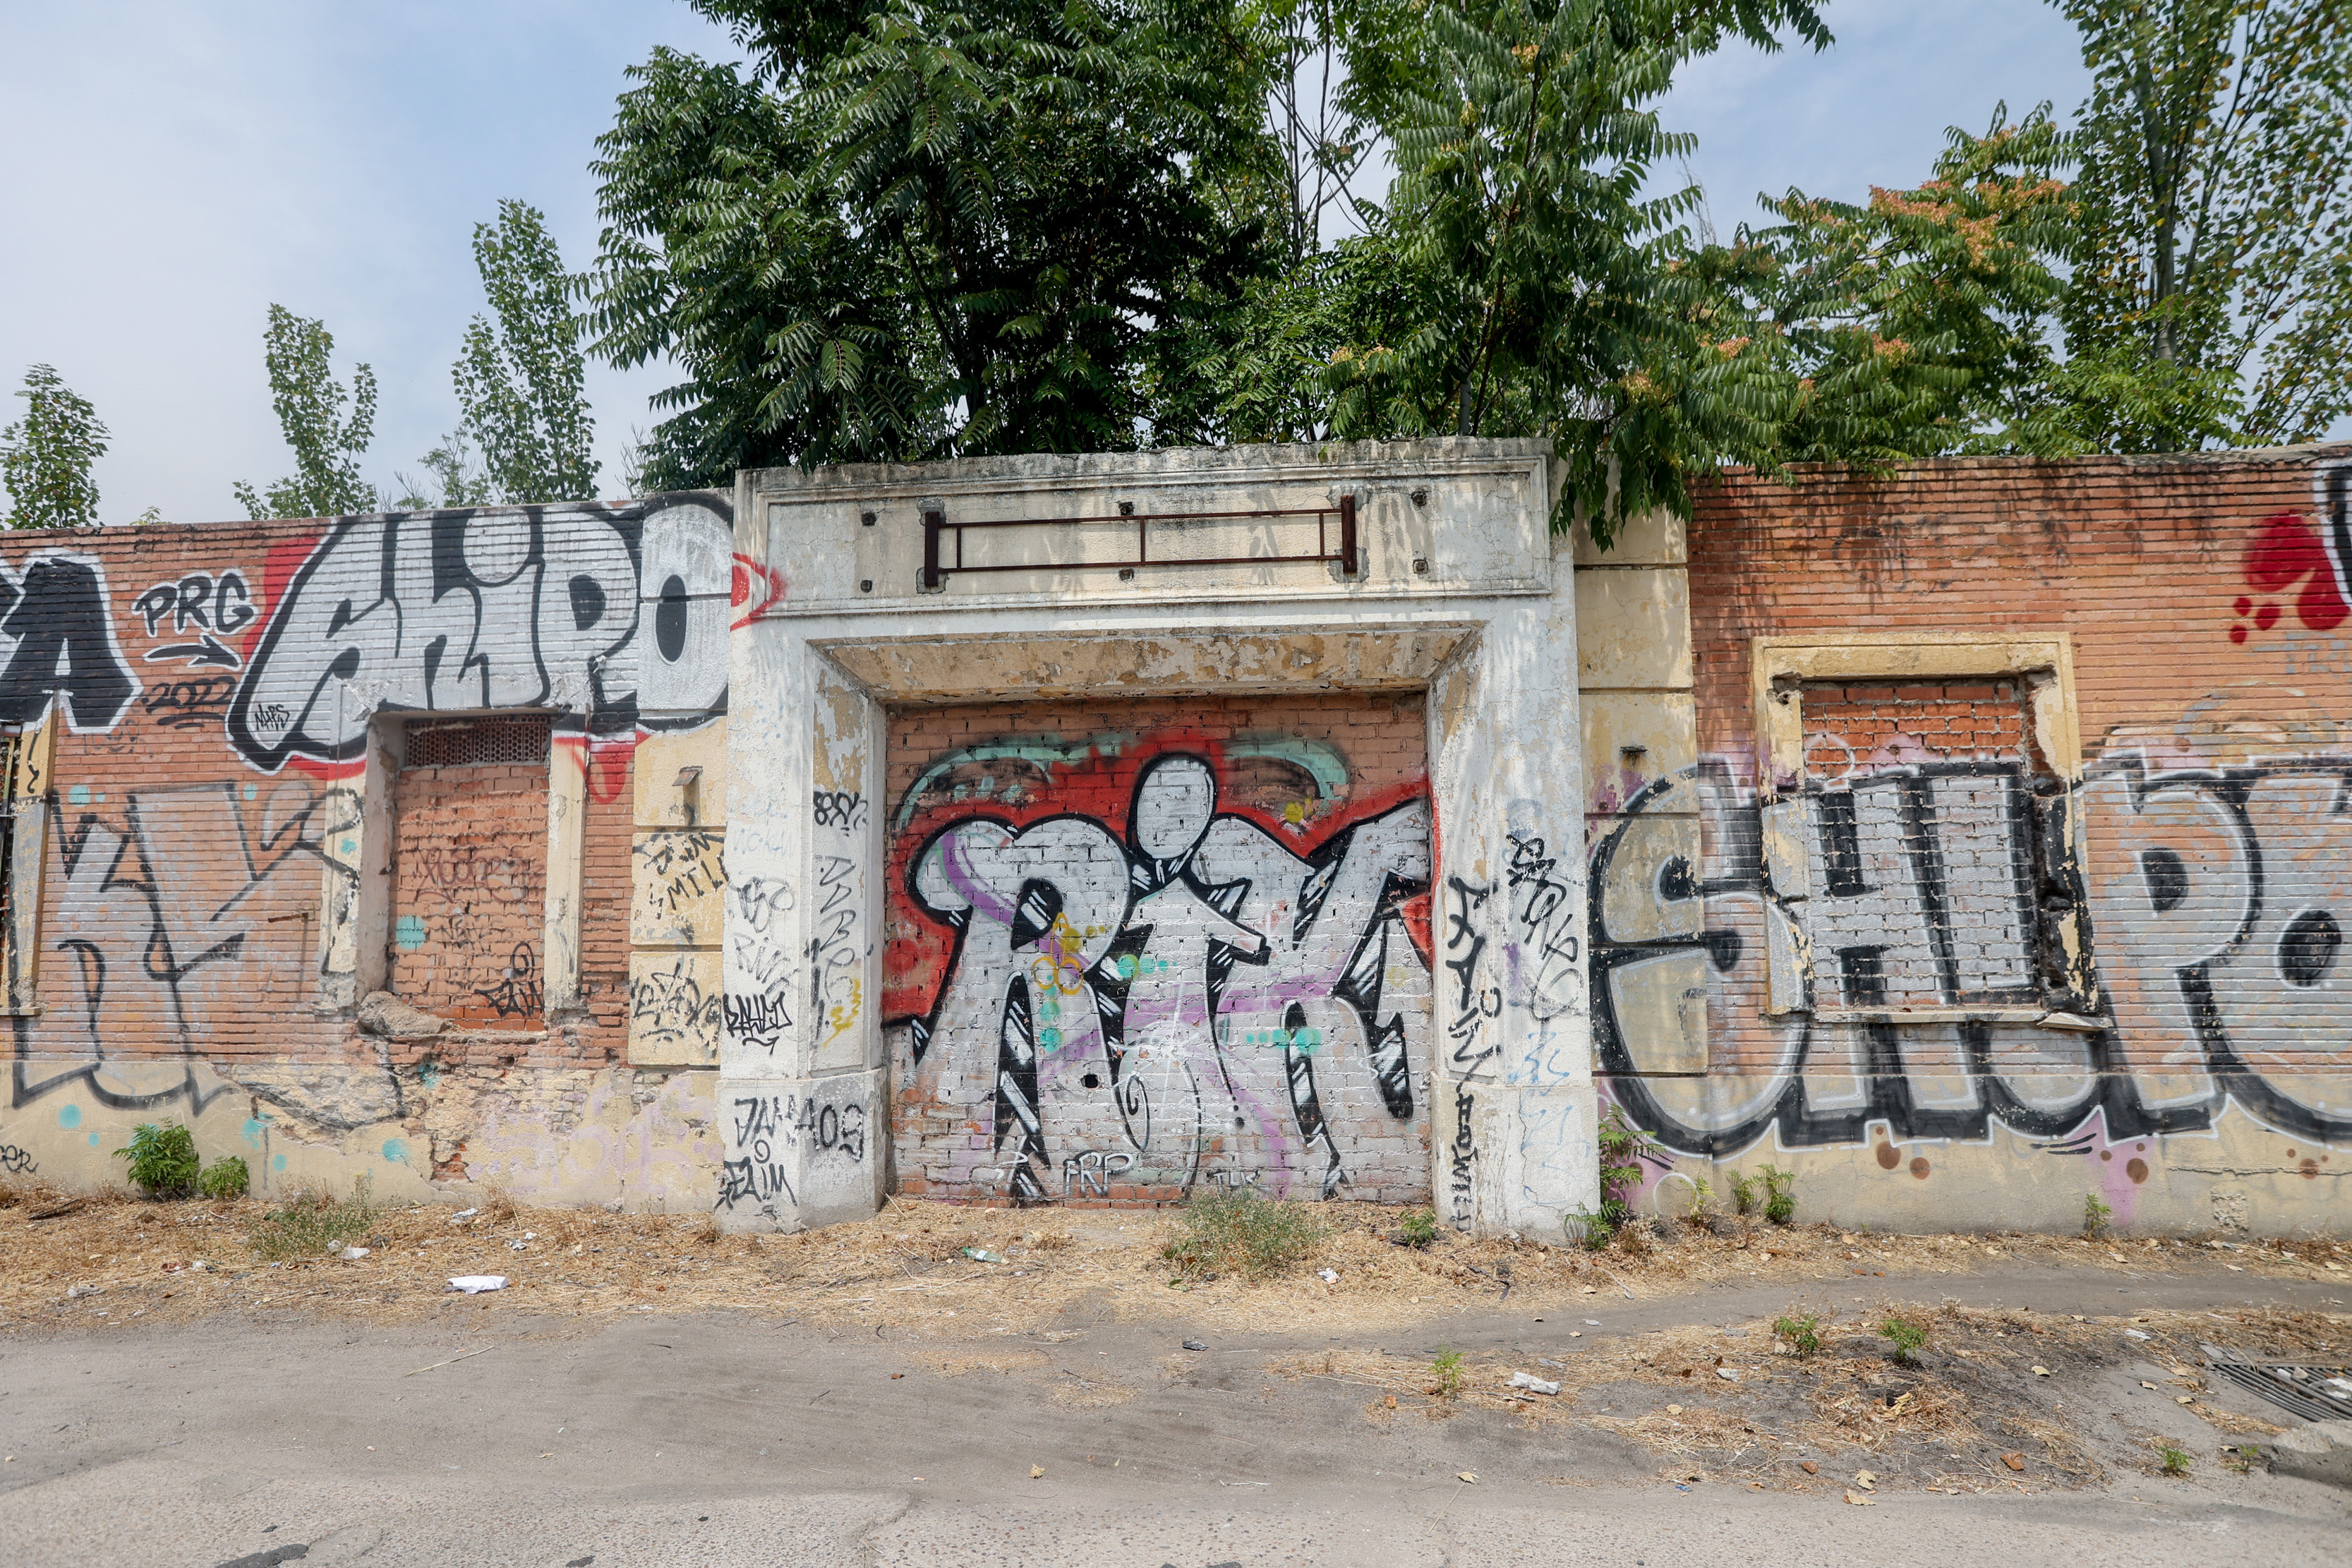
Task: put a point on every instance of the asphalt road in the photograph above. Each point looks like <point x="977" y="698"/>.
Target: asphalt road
<point x="668" y="1440"/>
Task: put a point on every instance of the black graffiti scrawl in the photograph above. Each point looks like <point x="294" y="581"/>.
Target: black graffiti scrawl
<point x="57" y="638"/>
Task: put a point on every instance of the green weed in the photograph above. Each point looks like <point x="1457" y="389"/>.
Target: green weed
<point x="1235" y="1231"/>
<point x="2095" y="1216"/>
<point x="1622" y="1148"/>
<point x="1419" y="1230"/>
<point x="1744" y="1191"/>
<point x="312" y="1224"/>
<point x="1447" y="1368"/>
<point x="1779" y="1194"/>
<point x="162" y="1159"/>
<point x="2176" y="1460"/>
<point x="1907" y="1335"/>
<point x="225" y="1177"/>
<point x="1803" y="1334"/>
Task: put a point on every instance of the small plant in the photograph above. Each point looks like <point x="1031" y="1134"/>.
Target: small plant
<point x="1907" y="1335"/>
<point x="1700" y="1216"/>
<point x="311" y="1224"/>
<point x="1743" y="1194"/>
<point x="1803" y="1334"/>
<point x="2095" y="1216"/>
<point x="1779" y="1194"/>
<point x="1623" y="1146"/>
<point x="162" y="1159"/>
<point x="1419" y="1230"/>
<point x="2176" y="1460"/>
<point x="498" y="1205"/>
<point x="2241" y="1458"/>
<point x="1591" y="1231"/>
<point x="1235" y="1231"/>
<point x="1447" y="1368"/>
<point x="225" y="1177"/>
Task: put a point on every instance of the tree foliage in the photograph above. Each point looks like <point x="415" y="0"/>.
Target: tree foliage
<point x="521" y="376"/>
<point x="1539" y="294"/>
<point x="911" y="232"/>
<point x="997" y="225"/>
<point x="309" y="403"/>
<point x="1913" y="325"/>
<point x="2213" y="300"/>
<point x="45" y="456"/>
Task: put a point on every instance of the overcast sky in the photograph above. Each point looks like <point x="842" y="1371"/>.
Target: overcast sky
<point x="171" y="169"/>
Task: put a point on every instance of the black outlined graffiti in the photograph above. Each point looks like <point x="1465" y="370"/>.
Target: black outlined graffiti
<point x="16" y="1161"/>
<point x="2216" y="904"/>
<point x="767" y="1127"/>
<point x="209" y="603"/>
<point x="146" y="925"/>
<point x="1545" y="944"/>
<point x="194" y="703"/>
<point x="759" y="1022"/>
<point x="500" y="607"/>
<point x="56" y="632"/>
<point x="1237" y="1008"/>
<point x="1471" y="1003"/>
<point x="840" y="808"/>
<point x="670" y="1005"/>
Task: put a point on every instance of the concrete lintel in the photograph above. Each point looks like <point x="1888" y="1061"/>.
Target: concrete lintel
<point x="976" y="668"/>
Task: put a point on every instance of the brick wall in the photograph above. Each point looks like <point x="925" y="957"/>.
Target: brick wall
<point x="192" y="946"/>
<point x="1137" y="948"/>
<point x="1927" y="852"/>
<point x="470" y="893"/>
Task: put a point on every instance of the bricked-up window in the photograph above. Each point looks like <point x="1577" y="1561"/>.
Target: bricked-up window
<point x="1925" y="804"/>
<point x="473" y="743"/>
<point x="469" y="870"/>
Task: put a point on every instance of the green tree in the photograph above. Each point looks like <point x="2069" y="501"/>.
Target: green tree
<point x="45" y="456"/>
<point x="457" y="476"/>
<point x="910" y="232"/>
<point x="1918" y="323"/>
<point x="520" y="377"/>
<point x="2213" y="298"/>
<point x="310" y="404"/>
<point x="1539" y="283"/>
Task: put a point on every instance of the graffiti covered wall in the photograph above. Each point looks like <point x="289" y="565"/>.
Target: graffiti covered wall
<point x="2068" y="927"/>
<point x="235" y="908"/>
<point x="1140" y="948"/>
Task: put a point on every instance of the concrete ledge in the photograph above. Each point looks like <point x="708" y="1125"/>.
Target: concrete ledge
<point x="2319" y="1452"/>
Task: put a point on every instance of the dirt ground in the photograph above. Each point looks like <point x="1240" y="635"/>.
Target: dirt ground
<point x="122" y="1261"/>
<point x="1998" y="1397"/>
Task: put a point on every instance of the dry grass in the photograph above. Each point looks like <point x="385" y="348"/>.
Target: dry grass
<point x="1942" y="1424"/>
<point x="906" y="1272"/>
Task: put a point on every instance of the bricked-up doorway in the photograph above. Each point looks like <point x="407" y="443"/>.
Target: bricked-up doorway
<point x="1139" y="948"/>
<point x="468" y="870"/>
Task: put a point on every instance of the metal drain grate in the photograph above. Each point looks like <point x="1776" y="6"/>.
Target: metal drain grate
<point x="2313" y="1393"/>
